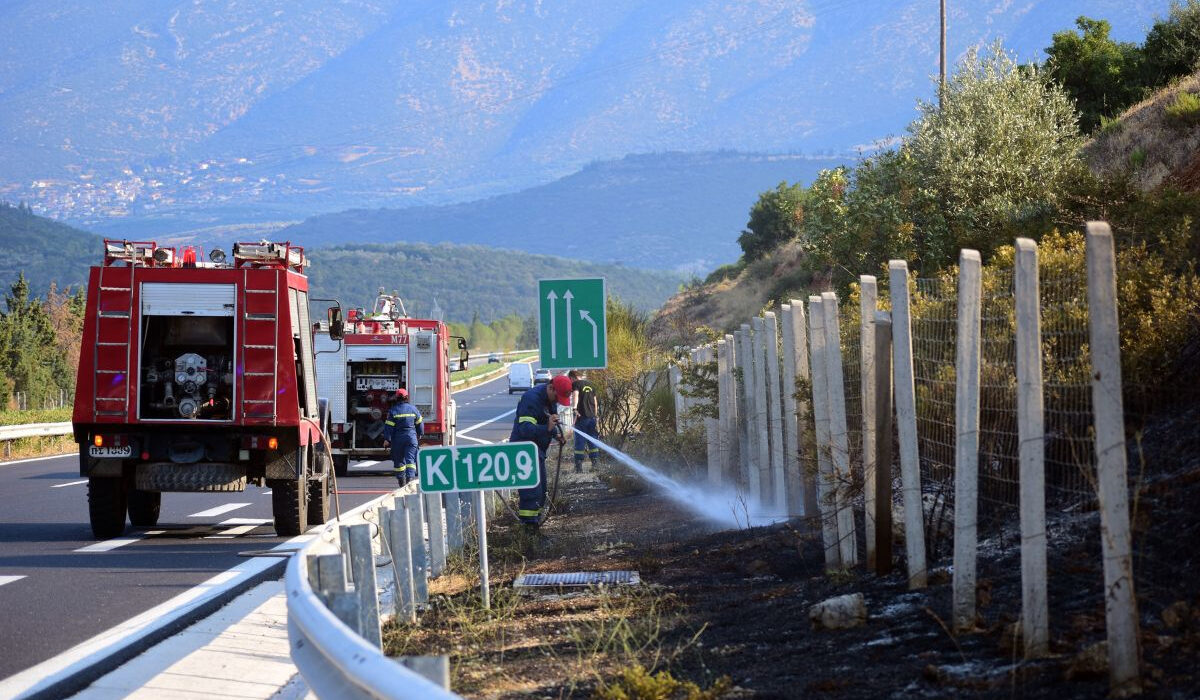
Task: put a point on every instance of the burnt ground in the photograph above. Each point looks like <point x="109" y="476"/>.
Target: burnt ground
<point x="736" y="603"/>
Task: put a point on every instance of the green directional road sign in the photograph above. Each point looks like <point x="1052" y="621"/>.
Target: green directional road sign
<point x="571" y="331"/>
<point x="510" y="465"/>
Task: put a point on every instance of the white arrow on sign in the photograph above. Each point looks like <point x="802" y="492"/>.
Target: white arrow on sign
<point x="567" y="297"/>
<point x="583" y="314"/>
<point x="553" y="337"/>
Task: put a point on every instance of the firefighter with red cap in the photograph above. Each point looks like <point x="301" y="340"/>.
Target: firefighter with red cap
<point x="401" y="430"/>
<point x="537" y="422"/>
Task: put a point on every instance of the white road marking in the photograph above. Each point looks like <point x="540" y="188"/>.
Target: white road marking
<point x="109" y="545"/>
<point x="245" y="521"/>
<point x="35" y="459"/>
<point x="9" y="579"/>
<point x="475" y="439"/>
<point x="213" y="512"/>
<point x="366" y="463"/>
<point x="506" y="414"/>
<point x="69" y="483"/>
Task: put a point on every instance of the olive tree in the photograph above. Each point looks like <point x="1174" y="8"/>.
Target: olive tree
<point x="996" y="158"/>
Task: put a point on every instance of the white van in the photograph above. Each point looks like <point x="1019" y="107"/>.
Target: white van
<point x="520" y="377"/>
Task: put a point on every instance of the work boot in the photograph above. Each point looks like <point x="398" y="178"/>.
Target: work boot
<point x="579" y="467"/>
<point x="410" y="475"/>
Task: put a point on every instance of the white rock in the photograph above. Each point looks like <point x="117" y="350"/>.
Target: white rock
<point x="842" y="612"/>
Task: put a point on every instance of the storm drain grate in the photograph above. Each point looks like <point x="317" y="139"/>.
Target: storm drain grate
<point x="578" y="578"/>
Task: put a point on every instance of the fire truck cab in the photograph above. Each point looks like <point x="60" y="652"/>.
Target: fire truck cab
<point x="383" y="350"/>
<point x="199" y="375"/>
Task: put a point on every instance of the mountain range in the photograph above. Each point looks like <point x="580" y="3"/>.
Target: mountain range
<point x="191" y="113"/>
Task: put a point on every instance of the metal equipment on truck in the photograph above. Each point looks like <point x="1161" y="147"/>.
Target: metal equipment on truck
<point x="199" y="376"/>
<point x="382" y="351"/>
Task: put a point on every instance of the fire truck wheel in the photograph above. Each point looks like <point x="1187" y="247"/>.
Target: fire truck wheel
<point x="289" y="500"/>
<point x="319" y="496"/>
<point x="144" y="507"/>
<point x="106" y="506"/>
<point x="341" y="464"/>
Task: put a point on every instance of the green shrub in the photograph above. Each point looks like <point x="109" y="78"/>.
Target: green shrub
<point x="1185" y="110"/>
<point x="1137" y="158"/>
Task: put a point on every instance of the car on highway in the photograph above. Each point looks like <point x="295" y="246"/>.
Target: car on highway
<point x="542" y="376"/>
<point x="520" y="377"/>
<point x="493" y="358"/>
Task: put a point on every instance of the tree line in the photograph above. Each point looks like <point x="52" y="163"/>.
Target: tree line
<point x="39" y="344"/>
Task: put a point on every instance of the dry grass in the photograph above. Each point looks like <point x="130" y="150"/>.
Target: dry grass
<point x="1148" y="143"/>
<point x="51" y="445"/>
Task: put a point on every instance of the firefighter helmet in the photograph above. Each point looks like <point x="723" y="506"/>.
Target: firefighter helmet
<point x="401" y="394"/>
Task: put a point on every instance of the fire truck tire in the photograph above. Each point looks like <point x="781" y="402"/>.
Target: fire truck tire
<point x="144" y="507"/>
<point x="106" y="506"/>
<point x="341" y="464"/>
<point x="319" y="496"/>
<point x="289" y="500"/>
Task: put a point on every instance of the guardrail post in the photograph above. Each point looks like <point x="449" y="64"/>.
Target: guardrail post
<point x="839" y="437"/>
<point x="868" y="298"/>
<point x="437" y="534"/>
<point x="966" y="442"/>
<point x="331" y="588"/>
<point x="454" y="523"/>
<point x="774" y="408"/>
<point x="820" y="393"/>
<point x="416" y="533"/>
<point x="883" y="442"/>
<point x="906" y="424"/>
<point x="1032" y="439"/>
<point x="362" y="564"/>
<point x="400" y="545"/>
<point x="485" y="586"/>
<point x="1111" y="467"/>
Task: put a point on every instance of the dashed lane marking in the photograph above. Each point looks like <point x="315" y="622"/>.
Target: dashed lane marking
<point x="109" y="545"/>
<point x="9" y="579"/>
<point x="213" y="512"/>
<point x="237" y="526"/>
<point x="69" y="483"/>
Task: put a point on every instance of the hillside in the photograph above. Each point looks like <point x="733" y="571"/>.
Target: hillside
<point x="1151" y="145"/>
<point x="465" y="280"/>
<point x="666" y="211"/>
<point x="272" y="110"/>
<point x="45" y="250"/>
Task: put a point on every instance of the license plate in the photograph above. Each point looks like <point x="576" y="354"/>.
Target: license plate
<point x="126" y="451"/>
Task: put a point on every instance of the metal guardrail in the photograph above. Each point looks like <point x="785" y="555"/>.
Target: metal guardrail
<point x="12" y="432"/>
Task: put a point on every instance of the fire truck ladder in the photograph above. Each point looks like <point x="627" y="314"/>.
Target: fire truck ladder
<point x="115" y="302"/>
<point x="255" y="321"/>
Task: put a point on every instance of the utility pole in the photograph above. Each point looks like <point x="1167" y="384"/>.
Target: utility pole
<point x="942" y="64"/>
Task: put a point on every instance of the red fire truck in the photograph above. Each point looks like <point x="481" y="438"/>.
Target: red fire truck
<point x="381" y="351"/>
<point x="198" y="375"/>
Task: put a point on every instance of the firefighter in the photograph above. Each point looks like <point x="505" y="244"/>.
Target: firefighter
<point x="401" y="430"/>
<point x="537" y="422"/>
<point x="587" y="412"/>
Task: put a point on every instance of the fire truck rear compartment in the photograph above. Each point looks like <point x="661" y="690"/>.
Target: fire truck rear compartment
<point x="369" y="389"/>
<point x="186" y="370"/>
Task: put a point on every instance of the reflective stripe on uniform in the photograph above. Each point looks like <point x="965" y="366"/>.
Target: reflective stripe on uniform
<point x="527" y="419"/>
<point x="420" y="419"/>
<point x="388" y="422"/>
<point x="404" y="415"/>
<point x="528" y="513"/>
<point x="580" y="452"/>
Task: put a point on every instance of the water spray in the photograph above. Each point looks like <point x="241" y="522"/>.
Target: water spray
<point x="729" y="510"/>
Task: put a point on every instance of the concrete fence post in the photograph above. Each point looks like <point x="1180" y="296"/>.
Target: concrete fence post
<point x="675" y="375"/>
<point x="966" y="442"/>
<point x="839" y="437"/>
<point x="820" y="397"/>
<point x="906" y="424"/>
<point x="727" y="408"/>
<point x="1032" y="440"/>
<point x="868" y="302"/>
<point x="791" y="421"/>
<point x="1111" y="468"/>
<point x="883" y="443"/>
<point x="806" y="429"/>
<point x="712" y="426"/>
<point x="774" y="413"/>
<point x="749" y="443"/>
<point x="761" y="422"/>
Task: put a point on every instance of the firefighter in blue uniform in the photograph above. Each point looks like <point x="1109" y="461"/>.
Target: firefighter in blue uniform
<point x="401" y="430"/>
<point x="537" y="422"/>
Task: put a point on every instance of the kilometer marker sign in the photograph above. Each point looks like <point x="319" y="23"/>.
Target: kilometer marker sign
<point x="511" y="465"/>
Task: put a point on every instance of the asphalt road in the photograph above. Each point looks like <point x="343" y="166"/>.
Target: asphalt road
<point x="59" y="587"/>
